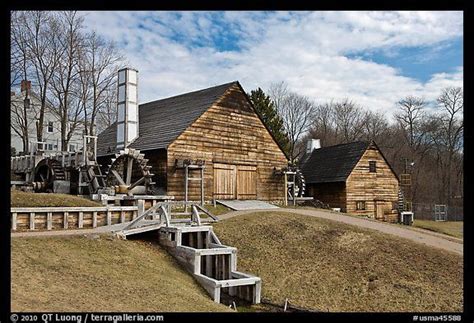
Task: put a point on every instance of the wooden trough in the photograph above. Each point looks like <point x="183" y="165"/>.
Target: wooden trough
<point x="193" y="243"/>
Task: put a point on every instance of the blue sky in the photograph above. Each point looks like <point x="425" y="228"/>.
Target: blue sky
<point x="374" y="58"/>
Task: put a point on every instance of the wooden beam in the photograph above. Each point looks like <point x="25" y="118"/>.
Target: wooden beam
<point x="129" y="170"/>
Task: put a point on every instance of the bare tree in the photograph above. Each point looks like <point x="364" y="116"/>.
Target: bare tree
<point x="41" y="35"/>
<point x="65" y="76"/>
<point x="349" y="121"/>
<point x="296" y="112"/>
<point x="100" y="61"/>
<point x="449" y="137"/>
<point x="410" y="117"/>
<point x="108" y="111"/>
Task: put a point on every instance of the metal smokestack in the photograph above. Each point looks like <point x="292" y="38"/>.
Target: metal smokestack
<point x="127" y="107"/>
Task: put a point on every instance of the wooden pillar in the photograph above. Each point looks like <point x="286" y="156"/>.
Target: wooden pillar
<point x="186" y="188"/>
<point x="122" y="216"/>
<point x="109" y="217"/>
<point x="202" y="185"/>
<point x="209" y="266"/>
<point x="65" y="220"/>
<point x="80" y="220"/>
<point x="286" y="190"/>
<point x="94" y="219"/>
<point x="14" y="216"/>
<point x="49" y="221"/>
<point x="141" y="207"/>
<point x="32" y="221"/>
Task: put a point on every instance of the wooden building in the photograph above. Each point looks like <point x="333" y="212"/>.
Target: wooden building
<point x="354" y="177"/>
<point x="217" y="127"/>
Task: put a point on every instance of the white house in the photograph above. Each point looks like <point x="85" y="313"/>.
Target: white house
<point x="51" y="128"/>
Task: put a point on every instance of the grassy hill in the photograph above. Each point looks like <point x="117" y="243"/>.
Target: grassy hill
<point x="330" y="266"/>
<point x="27" y="199"/>
<point x="100" y="273"/>
<point x="452" y="228"/>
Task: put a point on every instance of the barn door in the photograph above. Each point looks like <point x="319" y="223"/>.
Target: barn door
<point x="224" y="181"/>
<point x="246" y="182"/>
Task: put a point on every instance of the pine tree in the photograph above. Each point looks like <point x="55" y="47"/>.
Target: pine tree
<point x="267" y="112"/>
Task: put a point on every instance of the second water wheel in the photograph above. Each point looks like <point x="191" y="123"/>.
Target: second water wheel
<point x="129" y="173"/>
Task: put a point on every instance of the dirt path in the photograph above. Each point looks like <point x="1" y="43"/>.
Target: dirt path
<point x="432" y="239"/>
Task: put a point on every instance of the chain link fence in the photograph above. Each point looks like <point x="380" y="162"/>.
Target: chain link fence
<point x="425" y="211"/>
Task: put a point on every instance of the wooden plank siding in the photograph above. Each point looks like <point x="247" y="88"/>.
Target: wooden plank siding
<point x="379" y="188"/>
<point x="229" y="132"/>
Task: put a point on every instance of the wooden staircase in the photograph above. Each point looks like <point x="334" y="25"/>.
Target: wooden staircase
<point x="196" y="247"/>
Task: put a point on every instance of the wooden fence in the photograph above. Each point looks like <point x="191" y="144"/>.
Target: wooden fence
<point x="54" y="218"/>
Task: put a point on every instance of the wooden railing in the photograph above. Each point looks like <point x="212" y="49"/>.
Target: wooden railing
<point x="54" y="218"/>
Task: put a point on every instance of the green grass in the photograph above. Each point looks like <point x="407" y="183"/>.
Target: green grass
<point x="83" y="274"/>
<point x="452" y="228"/>
<point x="331" y="266"/>
<point x="218" y="210"/>
<point x="27" y="199"/>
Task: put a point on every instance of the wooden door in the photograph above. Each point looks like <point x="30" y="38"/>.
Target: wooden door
<point x="379" y="210"/>
<point x="224" y="181"/>
<point x="246" y="182"/>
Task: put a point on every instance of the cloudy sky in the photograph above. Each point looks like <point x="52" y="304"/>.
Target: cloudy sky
<point x="374" y="58"/>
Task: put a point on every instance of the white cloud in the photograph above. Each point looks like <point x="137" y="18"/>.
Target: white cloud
<point x="305" y="49"/>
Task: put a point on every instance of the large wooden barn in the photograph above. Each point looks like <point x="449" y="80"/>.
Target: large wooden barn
<point x="216" y="127"/>
<point x="354" y="177"/>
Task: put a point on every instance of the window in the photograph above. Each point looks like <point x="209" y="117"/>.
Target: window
<point x="360" y="205"/>
<point x="50" y="146"/>
<point x="72" y="147"/>
<point x="50" y="126"/>
<point x="372" y="166"/>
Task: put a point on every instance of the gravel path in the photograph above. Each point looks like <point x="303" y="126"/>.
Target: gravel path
<point x="429" y="238"/>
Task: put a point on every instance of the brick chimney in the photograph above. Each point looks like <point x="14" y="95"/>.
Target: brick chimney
<point x="127" y="107"/>
<point x="25" y="87"/>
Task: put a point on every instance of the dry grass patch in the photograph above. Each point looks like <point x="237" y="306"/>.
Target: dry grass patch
<point x="27" y="199"/>
<point x="330" y="266"/>
<point x="452" y="228"/>
<point x="105" y="274"/>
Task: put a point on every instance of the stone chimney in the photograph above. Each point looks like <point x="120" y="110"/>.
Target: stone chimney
<point x="127" y="107"/>
<point x="312" y="144"/>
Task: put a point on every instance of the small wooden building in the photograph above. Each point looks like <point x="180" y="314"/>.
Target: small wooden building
<point x="354" y="177"/>
<point x="217" y="126"/>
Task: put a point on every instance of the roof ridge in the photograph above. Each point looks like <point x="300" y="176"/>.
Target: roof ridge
<point x="192" y="92"/>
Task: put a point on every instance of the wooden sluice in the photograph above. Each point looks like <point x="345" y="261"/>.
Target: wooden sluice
<point x="193" y="243"/>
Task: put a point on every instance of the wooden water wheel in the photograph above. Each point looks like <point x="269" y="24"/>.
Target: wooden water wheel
<point x="129" y="173"/>
<point x="46" y="172"/>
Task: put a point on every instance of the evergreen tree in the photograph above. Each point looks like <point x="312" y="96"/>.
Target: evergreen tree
<point x="267" y="112"/>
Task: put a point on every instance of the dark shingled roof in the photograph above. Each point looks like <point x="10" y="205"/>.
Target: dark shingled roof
<point x="333" y="163"/>
<point x="162" y="121"/>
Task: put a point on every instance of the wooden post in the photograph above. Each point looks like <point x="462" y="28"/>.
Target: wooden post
<point x="109" y="217"/>
<point x="122" y="216"/>
<point x="32" y="220"/>
<point x="202" y="185"/>
<point x="49" y="221"/>
<point x="294" y="189"/>
<point x="94" y="219"/>
<point x="186" y="188"/>
<point x="14" y="215"/>
<point x="81" y="220"/>
<point x="65" y="220"/>
<point x="286" y="190"/>
<point x="141" y="207"/>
